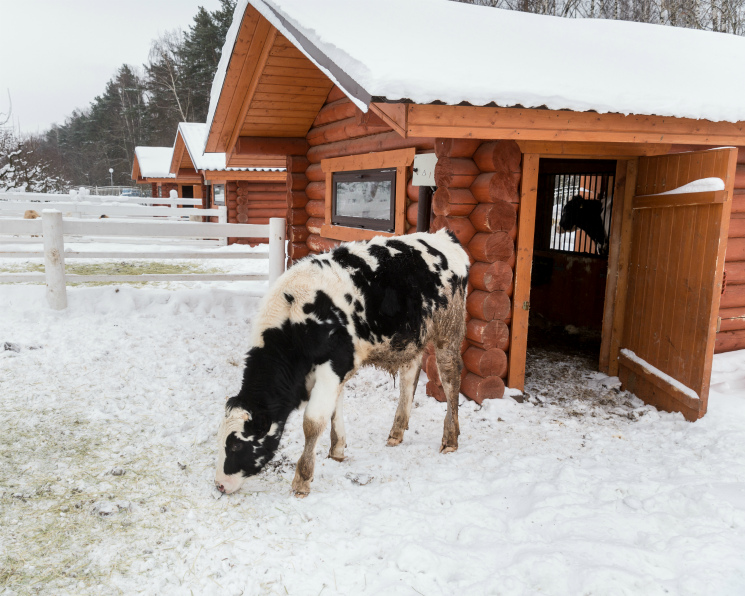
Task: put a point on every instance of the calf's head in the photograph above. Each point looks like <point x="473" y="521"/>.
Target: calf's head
<point x="246" y="443"/>
<point x="572" y="213"/>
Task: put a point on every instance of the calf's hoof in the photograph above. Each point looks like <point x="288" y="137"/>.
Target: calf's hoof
<point x="393" y="441"/>
<point x="300" y="487"/>
<point x="448" y="448"/>
<point x="336" y="457"/>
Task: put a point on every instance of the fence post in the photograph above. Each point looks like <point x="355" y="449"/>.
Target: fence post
<point x="54" y="258"/>
<point x="222" y="217"/>
<point x="276" y="248"/>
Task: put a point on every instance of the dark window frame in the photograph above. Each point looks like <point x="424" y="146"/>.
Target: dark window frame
<point x="367" y="223"/>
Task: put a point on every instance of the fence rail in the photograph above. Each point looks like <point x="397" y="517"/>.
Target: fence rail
<point x="53" y="228"/>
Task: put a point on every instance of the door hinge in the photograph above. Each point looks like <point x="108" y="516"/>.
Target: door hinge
<point x="526" y="305"/>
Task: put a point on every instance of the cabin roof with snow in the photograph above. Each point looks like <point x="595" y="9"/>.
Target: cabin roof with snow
<point x="188" y="153"/>
<point x="574" y="79"/>
<point x="152" y="162"/>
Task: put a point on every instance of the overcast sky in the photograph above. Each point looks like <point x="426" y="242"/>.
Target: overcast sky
<point x="57" y="55"/>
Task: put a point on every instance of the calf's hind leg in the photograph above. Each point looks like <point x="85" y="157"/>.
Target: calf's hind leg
<point x="449" y="365"/>
<point x="338" y="434"/>
<point x="408" y="379"/>
<point x="323" y="398"/>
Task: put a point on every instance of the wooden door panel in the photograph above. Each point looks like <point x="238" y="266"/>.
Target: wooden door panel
<point x="675" y="266"/>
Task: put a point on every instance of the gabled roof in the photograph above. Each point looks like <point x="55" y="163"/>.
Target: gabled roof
<point x="152" y="162"/>
<point x="190" y="138"/>
<point x="426" y="51"/>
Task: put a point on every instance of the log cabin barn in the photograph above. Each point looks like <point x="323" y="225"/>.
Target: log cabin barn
<point x="253" y="190"/>
<point x="446" y="125"/>
<point x="152" y="165"/>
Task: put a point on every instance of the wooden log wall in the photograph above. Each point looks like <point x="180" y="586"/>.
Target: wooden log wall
<point x="254" y="203"/>
<point x="340" y="129"/>
<point x="732" y="306"/>
<point x="477" y="197"/>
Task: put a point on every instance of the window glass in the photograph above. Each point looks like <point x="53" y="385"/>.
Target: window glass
<point x="364" y="199"/>
<point x="219" y="194"/>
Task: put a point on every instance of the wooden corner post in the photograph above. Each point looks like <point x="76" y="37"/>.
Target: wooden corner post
<point x="523" y="268"/>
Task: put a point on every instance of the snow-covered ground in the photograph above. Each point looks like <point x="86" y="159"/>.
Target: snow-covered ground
<point x="108" y="417"/>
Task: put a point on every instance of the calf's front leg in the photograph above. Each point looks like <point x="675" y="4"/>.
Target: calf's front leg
<point x="323" y="399"/>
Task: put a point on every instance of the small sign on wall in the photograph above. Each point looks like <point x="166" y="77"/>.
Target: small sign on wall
<point x="424" y="169"/>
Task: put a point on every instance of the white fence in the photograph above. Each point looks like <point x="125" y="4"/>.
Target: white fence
<point x="53" y="228"/>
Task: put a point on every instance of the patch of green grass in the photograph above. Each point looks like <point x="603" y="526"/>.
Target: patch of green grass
<point x="115" y="268"/>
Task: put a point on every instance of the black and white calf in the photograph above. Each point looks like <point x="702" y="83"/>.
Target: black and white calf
<point x="589" y="216"/>
<point x="378" y="302"/>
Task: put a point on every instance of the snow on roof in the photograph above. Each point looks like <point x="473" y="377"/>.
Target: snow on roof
<point x="438" y="50"/>
<point x="155" y="162"/>
<point x="195" y="138"/>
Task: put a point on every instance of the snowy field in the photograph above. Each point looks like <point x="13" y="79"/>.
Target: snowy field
<point x="109" y="412"/>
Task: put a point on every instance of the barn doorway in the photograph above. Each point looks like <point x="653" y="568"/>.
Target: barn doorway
<point x="570" y="254"/>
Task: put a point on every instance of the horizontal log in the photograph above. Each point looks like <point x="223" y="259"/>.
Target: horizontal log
<point x="296" y="199"/>
<point x="335" y="93"/>
<point x="259" y="197"/>
<point x="496" y="186"/>
<point x="738" y="202"/>
<point x="298" y="233"/>
<point x="340" y="109"/>
<point x="411" y="213"/>
<point x="732" y="319"/>
<point x="250" y="187"/>
<point x="298" y="250"/>
<point x="488" y="335"/>
<point x="441" y="206"/>
<point x="460" y="226"/>
<point x="455" y="147"/>
<point x="734" y="272"/>
<point x="740" y="176"/>
<point x="737" y="227"/>
<point x="498" y="156"/>
<point x="265" y="213"/>
<point x="296" y="217"/>
<point x="479" y="388"/>
<point x="455" y="172"/>
<point x="486" y="363"/>
<point x="491" y="277"/>
<point x="412" y="192"/>
<point x="455" y="196"/>
<point x="315" y="173"/>
<point x="386" y="141"/>
<point x="297" y="163"/>
<point x="297" y="181"/>
<point x="348" y="128"/>
<point x="727" y="341"/>
<point x="488" y="306"/>
<point x="317" y="243"/>
<point x="314" y="224"/>
<point x="316" y="191"/>
<point x="490" y="247"/>
<point x="499" y="216"/>
<point x="735" y="249"/>
<point x="734" y="296"/>
<point x="316" y="208"/>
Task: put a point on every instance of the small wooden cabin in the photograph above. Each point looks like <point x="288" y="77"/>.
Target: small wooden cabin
<point x="349" y="99"/>
<point x="152" y="166"/>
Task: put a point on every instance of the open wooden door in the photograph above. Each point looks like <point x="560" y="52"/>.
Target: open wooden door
<point x="670" y="284"/>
